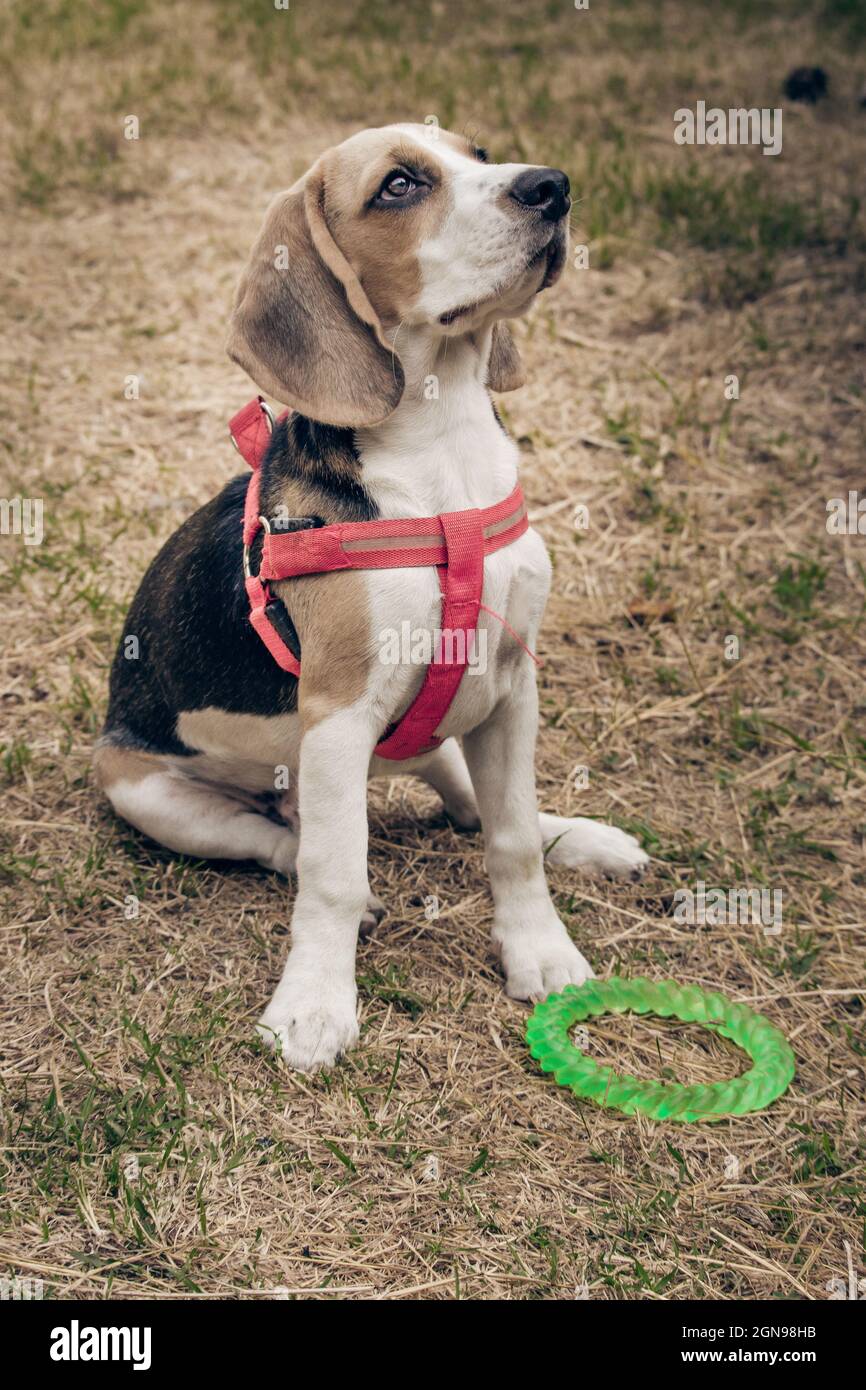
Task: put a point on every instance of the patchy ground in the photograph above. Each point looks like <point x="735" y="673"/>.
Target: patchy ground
<point x="151" y="1150"/>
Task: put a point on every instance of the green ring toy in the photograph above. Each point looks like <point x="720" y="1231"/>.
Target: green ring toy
<point x="549" y="1024"/>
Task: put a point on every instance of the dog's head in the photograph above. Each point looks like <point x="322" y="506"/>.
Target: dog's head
<point x="405" y="225"/>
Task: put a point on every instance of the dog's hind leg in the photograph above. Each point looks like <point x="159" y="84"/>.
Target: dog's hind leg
<point x="447" y="773"/>
<point x="572" y="842"/>
<point x="190" y="816"/>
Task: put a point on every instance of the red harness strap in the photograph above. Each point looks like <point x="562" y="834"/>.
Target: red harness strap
<point x="456" y="543"/>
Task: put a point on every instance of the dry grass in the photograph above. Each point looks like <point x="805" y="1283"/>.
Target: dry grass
<point x="150" y="1149"/>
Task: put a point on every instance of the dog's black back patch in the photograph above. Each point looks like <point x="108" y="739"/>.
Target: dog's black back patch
<point x="194" y="647"/>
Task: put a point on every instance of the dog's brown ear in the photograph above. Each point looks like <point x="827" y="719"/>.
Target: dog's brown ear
<point x="504" y="366"/>
<point x="302" y="326"/>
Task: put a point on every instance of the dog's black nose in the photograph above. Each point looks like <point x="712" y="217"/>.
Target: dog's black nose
<point x="544" y="189"/>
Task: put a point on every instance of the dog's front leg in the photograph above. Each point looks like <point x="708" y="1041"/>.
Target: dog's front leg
<point x="538" y="956"/>
<point x="312" y="1016"/>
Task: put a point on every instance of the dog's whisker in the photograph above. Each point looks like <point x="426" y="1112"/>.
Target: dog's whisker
<point x="394" y="348"/>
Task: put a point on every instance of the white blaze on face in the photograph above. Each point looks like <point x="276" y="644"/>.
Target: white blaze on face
<point x="481" y="247"/>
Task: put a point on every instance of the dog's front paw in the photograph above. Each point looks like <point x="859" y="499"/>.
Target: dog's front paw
<point x="540" y="961"/>
<point x="595" y="848"/>
<point x="309" y="1024"/>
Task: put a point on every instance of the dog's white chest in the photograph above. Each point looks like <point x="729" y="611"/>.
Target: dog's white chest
<point x="412" y="478"/>
<point x="407" y="628"/>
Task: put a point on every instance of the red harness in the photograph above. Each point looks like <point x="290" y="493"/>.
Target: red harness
<point x="454" y="542"/>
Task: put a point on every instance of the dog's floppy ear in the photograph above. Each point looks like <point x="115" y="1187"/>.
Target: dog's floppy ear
<point x="504" y="367"/>
<point x="302" y="326"/>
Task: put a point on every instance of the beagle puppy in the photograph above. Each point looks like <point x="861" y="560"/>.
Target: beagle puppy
<point x="375" y="305"/>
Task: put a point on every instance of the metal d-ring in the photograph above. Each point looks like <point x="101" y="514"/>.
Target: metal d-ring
<point x="246" y="558"/>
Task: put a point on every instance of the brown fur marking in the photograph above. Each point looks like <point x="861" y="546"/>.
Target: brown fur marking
<point x="112" y="763"/>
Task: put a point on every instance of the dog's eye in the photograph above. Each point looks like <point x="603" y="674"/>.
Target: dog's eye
<point x="481" y="154"/>
<point x="396" y="186"/>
